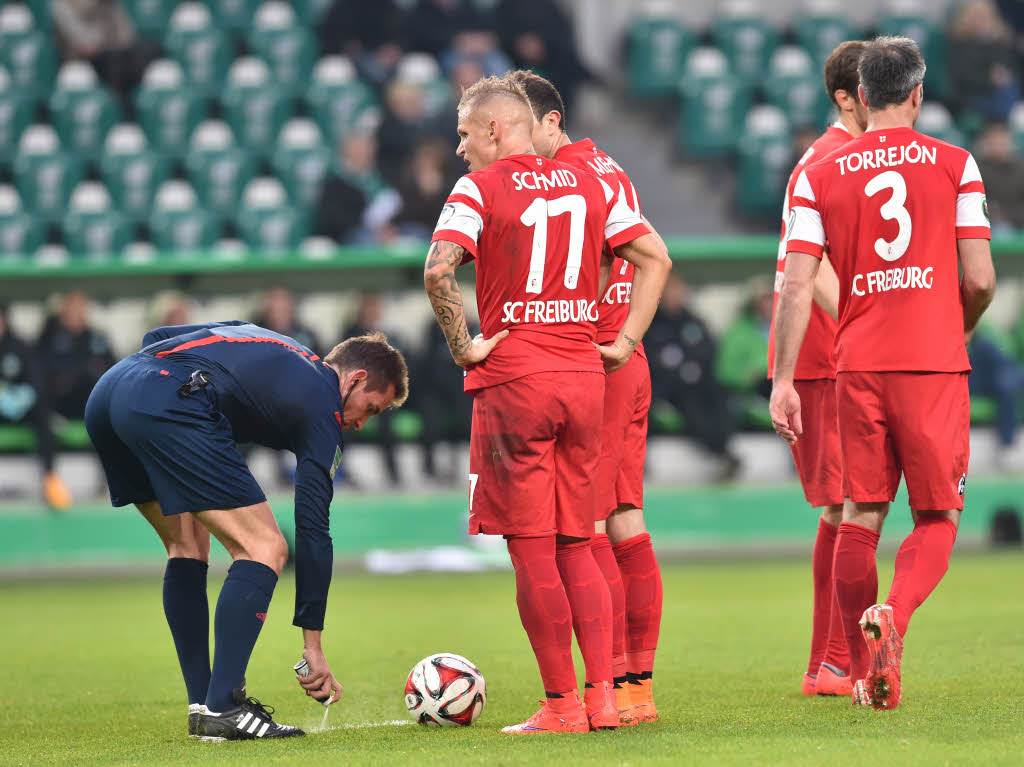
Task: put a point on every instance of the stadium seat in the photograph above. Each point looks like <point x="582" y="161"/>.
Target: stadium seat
<point x="746" y="38"/>
<point x="338" y="100"/>
<point x="44" y="173"/>
<point x="301" y="161"/>
<point x="1016" y="122"/>
<point x="20" y="232"/>
<point x="821" y="27"/>
<point x="657" y="46"/>
<point x="266" y="222"/>
<point x="287" y="46"/>
<point x="765" y="161"/>
<point x="168" y="109"/>
<point x="795" y="87"/>
<point x="132" y="171"/>
<point x="41" y="16"/>
<point x="27" y="52"/>
<point x="936" y="121"/>
<point x="217" y="167"/>
<point x="82" y="110"/>
<point x="235" y="16"/>
<point x="907" y="18"/>
<point x="92" y="226"/>
<point x="253" y="105"/>
<point x="714" y="102"/>
<point x="311" y="12"/>
<point x="16" y="111"/>
<point x="201" y="48"/>
<point x="150" y="16"/>
<point x="178" y="224"/>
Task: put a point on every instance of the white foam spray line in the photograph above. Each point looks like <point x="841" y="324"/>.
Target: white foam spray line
<point x="363" y="725"/>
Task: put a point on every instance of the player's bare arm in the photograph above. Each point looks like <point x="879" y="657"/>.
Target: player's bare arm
<point x="650" y="259"/>
<point x="320" y="683"/>
<point x="978" y="282"/>
<point x="826" y="289"/>
<point x="446" y="300"/>
<point x="791" y="317"/>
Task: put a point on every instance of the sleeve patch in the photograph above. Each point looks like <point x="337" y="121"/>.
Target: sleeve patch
<point x="972" y="210"/>
<point x="336" y="462"/>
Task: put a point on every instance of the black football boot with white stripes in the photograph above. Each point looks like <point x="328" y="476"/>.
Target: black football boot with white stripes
<point x="250" y="721"/>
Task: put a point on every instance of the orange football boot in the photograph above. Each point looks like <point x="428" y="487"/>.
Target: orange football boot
<point x="643" y="700"/>
<point x="885" y="646"/>
<point x="565" y="714"/>
<point x="832" y="681"/>
<point x="809" y="685"/>
<point x="599" y="700"/>
<point x="55" y="492"/>
<point x="624" y="703"/>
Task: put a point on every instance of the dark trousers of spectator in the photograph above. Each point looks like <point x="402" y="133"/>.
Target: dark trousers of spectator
<point x="38" y="420"/>
<point x="997" y="375"/>
<point x="444" y="421"/>
<point x="706" y="412"/>
<point x="122" y="68"/>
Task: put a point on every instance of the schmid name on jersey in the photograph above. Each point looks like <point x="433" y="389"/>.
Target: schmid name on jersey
<point x="542" y="181"/>
<point x="556" y="311"/>
<point x="890" y="157"/>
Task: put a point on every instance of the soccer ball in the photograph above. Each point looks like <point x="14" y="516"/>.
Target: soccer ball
<point x="445" y="690"/>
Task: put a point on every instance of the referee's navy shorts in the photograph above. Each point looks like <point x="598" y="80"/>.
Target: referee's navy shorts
<point x="158" y="444"/>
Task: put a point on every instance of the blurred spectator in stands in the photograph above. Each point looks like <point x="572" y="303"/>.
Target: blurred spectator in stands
<point x="982" y="61"/>
<point x="356" y="204"/>
<point x="803" y="137"/>
<point x="538" y="35"/>
<point x="368" y="319"/>
<point x="442" y="403"/>
<point x="23" y="402"/>
<point x="424" y="185"/>
<point x="742" y="364"/>
<point x="681" y="354"/>
<point x="996" y="373"/>
<point x="440" y="26"/>
<point x="168" y="307"/>
<point x="1003" y="170"/>
<point x="277" y="313"/>
<point x="101" y="32"/>
<point x="368" y="33"/>
<point x="405" y="122"/>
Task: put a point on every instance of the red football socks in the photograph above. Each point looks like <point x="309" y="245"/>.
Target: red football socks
<point x="920" y="564"/>
<point x="544" y="610"/>
<point x="828" y="642"/>
<point x="591" y="604"/>
<point x="856" y="579"/>
<point x="601" y="548"/>
<point x="641" y="580"/>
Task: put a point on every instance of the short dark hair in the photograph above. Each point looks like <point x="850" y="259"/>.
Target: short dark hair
<point x="890" y="68"/>
<point x="383" y="363"/>
<point x="544" y="96"/>
<point x="841" y="69"/>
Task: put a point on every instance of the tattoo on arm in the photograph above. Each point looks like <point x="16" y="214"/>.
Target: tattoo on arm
<point x="630" y="341"/>
<point x="444" y="294"/>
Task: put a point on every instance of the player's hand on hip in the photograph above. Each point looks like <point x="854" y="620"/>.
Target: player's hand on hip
<point x="478" y="350"/>
<point x="615" y="355"/>
<point x="784" y="408"/>
<point x="319" y="683"/>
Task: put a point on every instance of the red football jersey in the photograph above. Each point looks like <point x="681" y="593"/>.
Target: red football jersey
<point x="817" y="353"/>
<point x="614" y="304"/>
<point x="892" y="205"/>
<point x="536" y="228"/>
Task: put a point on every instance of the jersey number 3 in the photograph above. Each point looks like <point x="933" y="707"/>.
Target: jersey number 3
<point x="892" y="210"/>
<point x="537" y="215"/>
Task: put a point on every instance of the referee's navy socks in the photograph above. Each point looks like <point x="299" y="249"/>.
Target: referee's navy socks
<point x="188" y="615"/>
<point x="241" y="610"/>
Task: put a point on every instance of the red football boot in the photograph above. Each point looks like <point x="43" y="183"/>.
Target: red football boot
<point x="832" y="681"/>
<point x="885" y="646"/>
<point x="565" y="714"/>
<point x="599" y="700"/>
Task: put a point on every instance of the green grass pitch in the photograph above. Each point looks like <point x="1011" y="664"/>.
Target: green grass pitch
<point x="89" y="675"/>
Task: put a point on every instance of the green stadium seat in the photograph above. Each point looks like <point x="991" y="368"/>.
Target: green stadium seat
<point x="821" y="28"/>
<point x="92" y="226"/>
<point x="16" y="111"/>
<point x="254" y="106"/>
<point x="311" y="12"/>
<point x="26" y="51"/>
<point x="178" y="224"/>
<point x="201" y="48"/>
<point x="338" y="100"/>
<point x="235" y="16"/>
<point x="168" y="109"/>
<point x="1016" y="123"/>
<point x="714" y="102"/>
<point x="747" y="40"/>
<point x="931" y="39"/>
<point x="83" y="111"/>
<point x="20" y="232"/>
<point x="266" y="222"/>
<point x="936" y="121"/>
<point x="217" y="167"/>
<point x="288" y="47"/>
<point x="795" y="87"/>
<point x="765" y="161"/>
<point x="150" y="16"/>
<point x="301" y="162"/>
<point x="132" y="171"/>
<point x="44" y="173"/>
<point x="656" y="48"/>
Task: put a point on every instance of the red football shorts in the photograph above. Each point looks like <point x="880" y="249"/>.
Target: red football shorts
<point x="917" y="424"/>
<point x="818" y="454"/>
<point x="533" y="455"/>
<point x="627" y="398"/>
